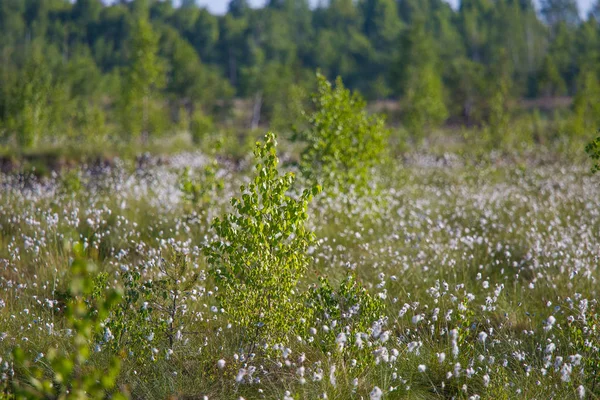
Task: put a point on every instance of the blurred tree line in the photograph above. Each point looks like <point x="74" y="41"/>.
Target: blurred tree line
<point x="139" y="68"/>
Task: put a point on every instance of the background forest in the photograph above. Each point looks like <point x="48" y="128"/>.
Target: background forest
<point x="134" y="70"/>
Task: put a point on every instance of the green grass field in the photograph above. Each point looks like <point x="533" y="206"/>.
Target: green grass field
<point x="486" y="271"/>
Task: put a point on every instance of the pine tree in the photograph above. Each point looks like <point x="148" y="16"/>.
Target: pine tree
<point x="382" y="27"/>
<point x="557" y="11"/>
<point x="474" y="17"/>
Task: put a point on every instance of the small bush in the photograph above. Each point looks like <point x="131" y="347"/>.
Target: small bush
<point x="200" y="190"/>
<point x="201" y="126"/>
<point x="593" y="151"/>
<point x="260" y="252"/>
<point x="148" y="322"/>
<point x="343" y="143"/>
<point x="69" y="375"/>
<point x="71" y="182"/>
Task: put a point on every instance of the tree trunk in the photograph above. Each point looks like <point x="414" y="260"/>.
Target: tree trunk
<point x="256" y="110"/>
<point x="232" y="68"/>
<point x="145" y="120"/>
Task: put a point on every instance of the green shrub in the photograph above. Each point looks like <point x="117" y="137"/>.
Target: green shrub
<point x="200" y="190"/>
<point x="149" y="318"/>
<point x="593" y="151"/>
<point x="498" y="115"/>
<point x="130" y="322"/>
<point x="201" y="126"/>
<point x="71" y="182"/>
<point x="260" y="252"/>
<point x="343" y="143"/>
<point x="89" y="122"/>
<point x="69" y="374"/>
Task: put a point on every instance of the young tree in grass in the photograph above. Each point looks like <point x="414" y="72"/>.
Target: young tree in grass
<point x="343" y="142"/>
<point x="586" y="109"/>
<point x="143" y="77"/>
<point x="261" y="252"/>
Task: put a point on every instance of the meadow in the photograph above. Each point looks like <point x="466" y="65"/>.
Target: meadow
<point x="455" y="278"/>
<point x="189" y="211"/>
<point x="341" y="261"/>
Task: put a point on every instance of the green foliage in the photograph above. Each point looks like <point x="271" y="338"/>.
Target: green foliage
<point x="144" y="75"/>
<point x="172" y="291"/>
<point x="583" y="334"/>
<point x="67" y="374"/>
<point x="130" y="322"/>
<point x="498" y="113"/>
<point x="149" y="322"/>
<point x="30" y="112"/>
<point x="122" y="66"/>
<point x="188" y="78"/>
<point x="71" y="182"/>
<point x="288" y="115"/>
<point x="425" y="107"/>
<point x="260" y="253"/>
<point x="202" y="190"/>
<point x="498" y="103"/>
<point x="586" y="105"/>
<point x="560" y="11"/>
<point x="550" y="81"/>
<point x="201" y="126"/>
<point x="351" y="305"/>
<point x="343" y="143"/>
<point x="416" y="50"/>
<point x="467" y="84"/>
<point x="418" y="79"/>
<point x="89" y="122"/>
<point x="593" y="151"/>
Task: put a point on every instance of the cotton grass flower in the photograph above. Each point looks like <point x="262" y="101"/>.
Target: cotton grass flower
<point x="376" y="394"/>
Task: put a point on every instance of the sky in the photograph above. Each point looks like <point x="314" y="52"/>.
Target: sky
<point x="220" y="6"/>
